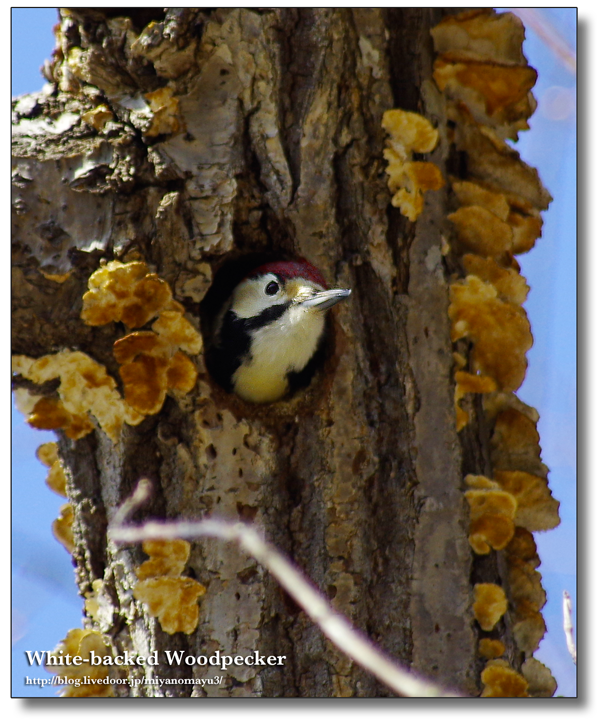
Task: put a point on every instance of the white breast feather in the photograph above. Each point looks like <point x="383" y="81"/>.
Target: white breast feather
<point x="286" y="345"/>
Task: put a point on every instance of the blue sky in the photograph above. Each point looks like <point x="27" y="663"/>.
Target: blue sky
<point x="44" y="596"/>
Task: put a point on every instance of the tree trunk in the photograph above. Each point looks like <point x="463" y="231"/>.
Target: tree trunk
<point x="204" y="142"/>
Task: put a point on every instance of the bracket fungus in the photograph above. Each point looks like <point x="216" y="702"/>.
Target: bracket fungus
<point x="125" y="292"/>
<point x="537" y="510"/>
<point x="500" y="680"/>
<point x="170" y="597"/>
<point x="56" y="480"/>
<point x="86" y="679"/>
<point x="467" y="383"/>
<point x="489" y="606"/>
<point x="540" y="681"/>
<point x="173" y="600"/>
<point x="168" y="558"/>
<point x="62" y="528"/>
<point x="491" y="648"/>
<point x="85" y="388"/>
<point x="148" y="370"/>
<point x="408" y="179"/>
<point x="481" y="34"/>
<point x="151" y="362"/>
<point x="492" y="515"/>
<point x="509" y="283"/>
<point x="499" y="331"/>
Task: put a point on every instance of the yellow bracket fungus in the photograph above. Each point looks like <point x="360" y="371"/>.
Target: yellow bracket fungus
<point x="56" y="480"/>
<point x="125" y="292"/>
<point x="408" y="179"/>
<point x="500" y="680"/>
<point x="171" y="598"/>
<point x="87" y="679"/>
<point x="151" y="361"/>
<point x="499" y="330"/>
<point x="491" y="648"/>
<point x="467" y="383"/>
<point x="168" y="558"/>
<point x="492" y="514"/>
<point x="85" y="388"/>
<point x="489" y="606"/>
<point x="62" y="528"/>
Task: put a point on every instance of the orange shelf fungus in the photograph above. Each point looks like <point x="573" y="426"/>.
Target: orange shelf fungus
<point x="481" y="34"/>
<point x="523" y="546"/>
<point x="85" y="388"/>
<point x="536" y="509"/>
<point x="171" y="598"/>
<point x="499" y="331"/>
<point x="515" y="444"/>
<point x="492" y="514"/>
<point x="527" y="599"/>
<point x="168" y="558"/>
<point x="489" y="606"/>
<point x="62" y="528"/>
<point x="481" y="71"/>
<point x="481" y="68"/>
<point x="509" y="283"/>
<point x="467" y="383"/>
<point x="496" y="94"/>
<point x="173" y="601"/>
<point x="539" y="678"/>
<point x="491" y="648"/>
<point x="56" y="480"/>
<point x="408" y="180"/>
<point x="151" y="362"/>
<point x="149" y="368"/>
<point x="527" y="595"/>
<point x="480" y="231"/>
<point x="125" y="292"/>
<point x="86" y="679"/>
<point x="501" y="681"/>
<point x="529" y="628"/>
<point x="511" y="225"/>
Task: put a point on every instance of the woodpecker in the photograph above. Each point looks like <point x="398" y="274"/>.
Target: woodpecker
<point x="268" y="335"/>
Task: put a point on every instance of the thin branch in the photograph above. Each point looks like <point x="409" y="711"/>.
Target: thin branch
<point x="568" y="625"/>
<point x="141" y="493"/>
<point x="334" y="625"/>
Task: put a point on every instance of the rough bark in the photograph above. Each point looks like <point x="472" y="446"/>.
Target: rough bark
<point x="278" y="152"/>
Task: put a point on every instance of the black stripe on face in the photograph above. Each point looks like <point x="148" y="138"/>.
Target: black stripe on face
<point x="233" y="344"/>
<point x="270" y="314"/>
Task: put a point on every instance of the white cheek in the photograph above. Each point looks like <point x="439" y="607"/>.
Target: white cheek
<point x="251" y="300"/>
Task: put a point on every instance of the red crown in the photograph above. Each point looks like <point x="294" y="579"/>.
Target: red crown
<point x="300" y="268"/>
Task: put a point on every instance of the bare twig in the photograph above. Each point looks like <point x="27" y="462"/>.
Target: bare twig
<point x="334" y="625"/>
<point x="568" y="625"/>
<point x="141" y="493"/>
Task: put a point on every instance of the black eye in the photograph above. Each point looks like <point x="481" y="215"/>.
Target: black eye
<point x="272" y="288"/>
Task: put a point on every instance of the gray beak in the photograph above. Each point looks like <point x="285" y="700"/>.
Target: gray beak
<point x="326" y="299"/>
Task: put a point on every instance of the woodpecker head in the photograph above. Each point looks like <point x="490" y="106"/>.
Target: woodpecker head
<point x="269" y="332"/>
